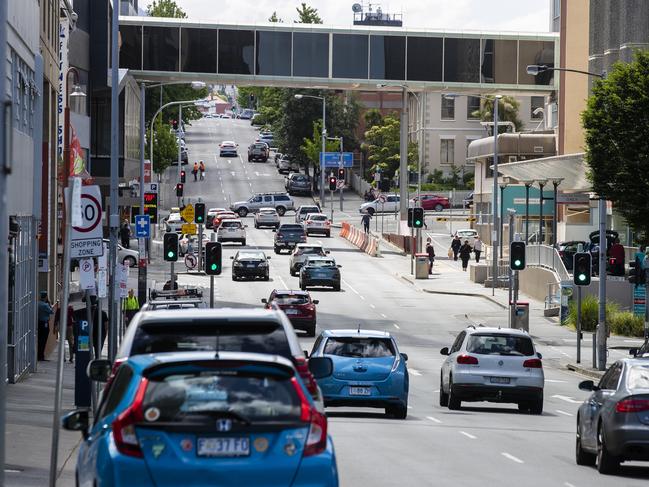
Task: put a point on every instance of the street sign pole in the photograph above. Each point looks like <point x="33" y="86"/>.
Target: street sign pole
<point x="141" y="266"/>
<point x="340" y="166"/>
<point x="212" y="239"/>
<point x="332" y="206"/>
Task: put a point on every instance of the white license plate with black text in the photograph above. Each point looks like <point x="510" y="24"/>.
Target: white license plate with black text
<point x="499" y="380"/>
<point x="360" y="390"/>
<point x="223" y="447"/>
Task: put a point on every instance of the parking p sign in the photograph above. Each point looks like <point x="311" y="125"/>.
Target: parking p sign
<point x="86" y="239"/>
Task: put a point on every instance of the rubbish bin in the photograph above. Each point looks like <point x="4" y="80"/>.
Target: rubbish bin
<point x="421" y="266"/>
<point x="520" y="315"/>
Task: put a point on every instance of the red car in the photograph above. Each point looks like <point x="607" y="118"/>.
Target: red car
<point x="298" y="307"/>
<point x="433" y="202"/>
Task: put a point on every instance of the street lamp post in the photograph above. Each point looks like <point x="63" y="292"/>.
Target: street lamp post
<point x="502" y="187"/>
<point x="528" y="183"/>
<point x="299" y="96"/>
<point x="555" y="184"/>
<point x="542" y="184"/>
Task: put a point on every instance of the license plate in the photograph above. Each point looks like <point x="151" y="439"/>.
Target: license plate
<point x="223" y="447"/>
<point x="250" y="265"/>
<point x="359" y="391"/>
<point x="231" y="230"/>
<point x="291" y="311"/>
<point x="499" y="380"/>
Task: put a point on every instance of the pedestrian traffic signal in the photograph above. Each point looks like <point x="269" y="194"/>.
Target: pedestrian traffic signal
<point x="332" y="183"/>
<point x="199" y="213"/>
<point x="213" y="257"/>
<point x="179" y="189"/>
<point x="410" y="215"/>
<point x="517" y="256"/>
<point x="582" y="269"/>
<point x="170" y="246"/>
<point x="183" y="175"/>
<point x="341" y="174"/>
<point x="418" y="217"/>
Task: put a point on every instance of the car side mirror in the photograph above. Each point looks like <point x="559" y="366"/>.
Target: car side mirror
<point x="321" y="367"/>
<point x="232" y="257"/>
<point x="404" y="356"/>
<point x="99" y="370"/>
<point x="539" y="355"/>
<point x="328" y="252"/>
<point x="316" y="301"/>
<point x="339" y="266"/>
<point x="444" y="351"/>
<point x="274" y="230"/>
<point x="264" y="300"/>
<point x="77" y="420"/>
<point x="587" y="385"/>
<point x="633" y="352"/>
<point x="306" y="354"/>
<point x="268" y="257"/>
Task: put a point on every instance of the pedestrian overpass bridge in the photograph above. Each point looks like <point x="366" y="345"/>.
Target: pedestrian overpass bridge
<point x="326" y="57"/>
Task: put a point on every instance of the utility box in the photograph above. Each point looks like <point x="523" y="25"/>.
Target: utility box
<point x="520" y="315"/>
<point x="421" y="266"/>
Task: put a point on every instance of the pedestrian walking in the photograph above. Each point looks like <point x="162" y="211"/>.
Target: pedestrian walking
<point x="430" y="250"/>
<point x="195" y="171"/>
<point x="456" y="243"/>
<point x="477" y="248"/>
<point x="131" y="306"/>
<point x="617" y="253"/>
<point x="465" y="254"/>
<point x="125" y="234"/>
<point x="201" y="168"/>
<point x="44" y="312"/>
<point x="366" y="222"/>
<point x="69" y="329"/>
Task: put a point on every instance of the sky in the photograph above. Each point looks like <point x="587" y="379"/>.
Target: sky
<point x="507" y="15"/>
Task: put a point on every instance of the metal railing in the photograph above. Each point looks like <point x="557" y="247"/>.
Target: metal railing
<point x="547" y="257"/>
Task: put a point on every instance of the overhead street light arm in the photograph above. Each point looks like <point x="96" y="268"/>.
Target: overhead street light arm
<point x="535" y="69"/>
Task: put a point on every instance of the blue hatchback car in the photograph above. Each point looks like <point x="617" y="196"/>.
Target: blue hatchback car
<point x="193" y="419"/>
<point x="368" y="370"/>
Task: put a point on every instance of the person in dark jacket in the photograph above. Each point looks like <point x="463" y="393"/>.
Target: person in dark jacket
<point x="465" y="254"/>
<point x="430" y="250"/>
<point x="125" y="234"/>
<point x="456" y="243"/>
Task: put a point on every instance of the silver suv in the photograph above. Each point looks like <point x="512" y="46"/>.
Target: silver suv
<point x="282" y="202"/>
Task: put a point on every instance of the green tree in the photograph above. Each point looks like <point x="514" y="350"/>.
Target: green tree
<point x="165" y="147"/>
<point x="373" y="117"/>
<point x="275" y="18"/>
<point x="507" y="112"/>
<point x="307" y="15"/>
<point x="165" y="8"/>
<point x="616" y="121"/>
<point x="383" y="147"/>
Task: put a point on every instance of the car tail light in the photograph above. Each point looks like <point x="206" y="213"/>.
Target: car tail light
<point x="632" y="405"/>
<point x="316" y="441"/>
<point x="303" y="369"/>
<point x="467" y="359"/>
<point x="533" y="363"/>
<point x="124" y="426"/>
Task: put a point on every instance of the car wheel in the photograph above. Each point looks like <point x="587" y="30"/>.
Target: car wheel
<point x="311" y="331"/>
<point x="399" y="411"/>
<point x="582" y="457"/>
<point x="276" y="250"/>
<point x="536" y="406"/>
<point x="337" y="287"/>
<point x="328" y="234"/>
<point x="266" y="277"/>
<point x="129" y="261"/>
<point x="293" y="273"/>
<point x="256" y="225"/>
<point x="249" y="159"/>
<point x="281" y="210"/>
<point x="302" y="286"/>
<point x="234" y="278"/>
<point x="606" y="463"/>
<point x="370" y="211"/>
<point x="454" y="403"/>
<point x="243" y="242"/>
<point x="443" y="396"/>
<point x="242" y="212"/>
<point x="438" y="207"/>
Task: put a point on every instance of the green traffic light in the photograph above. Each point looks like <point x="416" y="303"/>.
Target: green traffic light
<point x="170" y="254"/>
<point x="517" y="263"/>
<point x="582" y="277"/>
<point x="214" y="267"/>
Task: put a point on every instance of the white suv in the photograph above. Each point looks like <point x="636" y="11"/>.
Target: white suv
<point x="386" y="203"/>
<point x="495" y="365"/>
<point x="231" y="231"/>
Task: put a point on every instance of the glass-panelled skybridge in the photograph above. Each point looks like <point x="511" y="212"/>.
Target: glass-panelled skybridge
<point x="321" y="56"/>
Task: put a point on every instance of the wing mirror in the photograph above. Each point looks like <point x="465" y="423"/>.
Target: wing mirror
<point x="232" y="257"/>
<point x="328" y="251"/>
<point x="264" y="300"/>
<point x="268" y="257"/>
<point x="321" y="367"/>
<point x="588" y="385"/>
<point x="404" y="356"/>
<point x="539" y="355"/>
<point x="444" y="351"/>
<point x="99" y="370"/>
<point x="633" y="352"/>
<point x="76" y="421"/>
<point x="316" y="301"/>
<point x="339" y="266"/>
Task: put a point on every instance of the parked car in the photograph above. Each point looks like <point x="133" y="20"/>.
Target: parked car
<point x="282" y="202"/>
<point x="300" y="254"/>
<point x="231" y="231"/>
<point x="174" y="223"/>
<point x="287" y="236"/>
<point x="613" y="422"/>
<point x="303" y="210"/>
<point x="211" y="213"/>
<point x="320" y="271"/>
<point x="495" y="365"/>
<point x="166" y="417"/>
<point x="390" y="205"/>
<point x="284" y="166"/>
<point x="126" y="256"/>
<point x="258" y="151"/>
<point x="431" y="202"/>
<point x="267" y="217"/>
<point x="228" y="148"/>
<point x="369" y="370"/>
<point x="298" y="307"/>
<point x="317" y="223"/>
<point x="568" y="249"/>
<point x="297" y="183"/>
<point x="250" y="263"/>
<point x="266" y="137"/>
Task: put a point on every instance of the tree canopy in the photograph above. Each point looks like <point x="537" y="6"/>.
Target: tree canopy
<point x="307" y="15"/>
<point x="165" y="148"/>
<point x="383" y="147"/>
<point x="507" y="112"/>
<point x="616" y="122"/>
<point x="165" y="8"/>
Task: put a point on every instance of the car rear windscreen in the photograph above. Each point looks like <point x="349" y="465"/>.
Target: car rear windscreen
<point x="359" y="347"/>
<point x="291" y="299"/>
<point x="257" y="337"/>
<point x="638" y="377"/>
<point x="500" y="344"/>
<point x="292" y="228"/>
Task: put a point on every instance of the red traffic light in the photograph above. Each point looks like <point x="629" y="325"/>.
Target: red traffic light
<point x="332" y="183"/>
<point x="183" y="175"/>
<point x="341" y="173"/>
<point x="179" y="189"/>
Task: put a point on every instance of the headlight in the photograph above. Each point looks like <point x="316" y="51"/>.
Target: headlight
<point x="263" y="264"/>
<point x="236" y="264"/>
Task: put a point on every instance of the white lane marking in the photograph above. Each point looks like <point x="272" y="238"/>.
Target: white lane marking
<point x="434" y="420"/>
<point x="282" y="281"/>
<point x="383" y="315"/>
<point x="362" y="297"/>
<point x="563" y="412"/>
<point x="414" y="372"/>
<point x="555" y="381"/>
<point x="511" y="457"/>
<point x="468" y="435"/>
<point x="396" y="326"/>
<point x="435" y="391"/>
<point x="568" y="484"/>
<point x="567" y="399"/>
<point x="372" y="306"/>
<point x="350" y="287"/>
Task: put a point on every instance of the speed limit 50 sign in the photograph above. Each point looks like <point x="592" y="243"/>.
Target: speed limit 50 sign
<point x="86" y="239"/>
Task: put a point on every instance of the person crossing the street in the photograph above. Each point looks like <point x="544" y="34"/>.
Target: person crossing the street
<point x="201" y="168"/>
<point x="465" y="254"/>
<point x="366" y="222"/>
<point x="195" y="171"/>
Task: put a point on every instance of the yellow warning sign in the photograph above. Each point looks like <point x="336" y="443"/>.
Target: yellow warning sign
<point x="189" y="228"/>
<point x="187" y="213"/>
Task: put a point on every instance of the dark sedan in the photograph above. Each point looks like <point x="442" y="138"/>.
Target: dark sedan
<point x="250" y="264"/>
<point x="613" y="423"/>
<point x="567" y="251"/>
<point x="298" y="307"/>
<point x="320" y="271"/>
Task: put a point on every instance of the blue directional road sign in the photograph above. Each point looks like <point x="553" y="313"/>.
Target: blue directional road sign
<point x="332" y="159"/>
<point x="142" y="226"/>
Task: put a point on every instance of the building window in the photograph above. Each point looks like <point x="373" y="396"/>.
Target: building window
<point x="537" y="102"/>
<point x="23" y="90"/>
<point x="448" y="108"/>
<point x="473" y="108"/>
<point x="447" y="151"/>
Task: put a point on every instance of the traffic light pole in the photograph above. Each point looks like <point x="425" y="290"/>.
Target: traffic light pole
<point x="200" y="247"/>
<point x="180" y="161"/>
<point x="579" y="324"/>
<point x="511" y="272"/>
<point x="212" y="239"/>
<point x="332" y="206"/>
